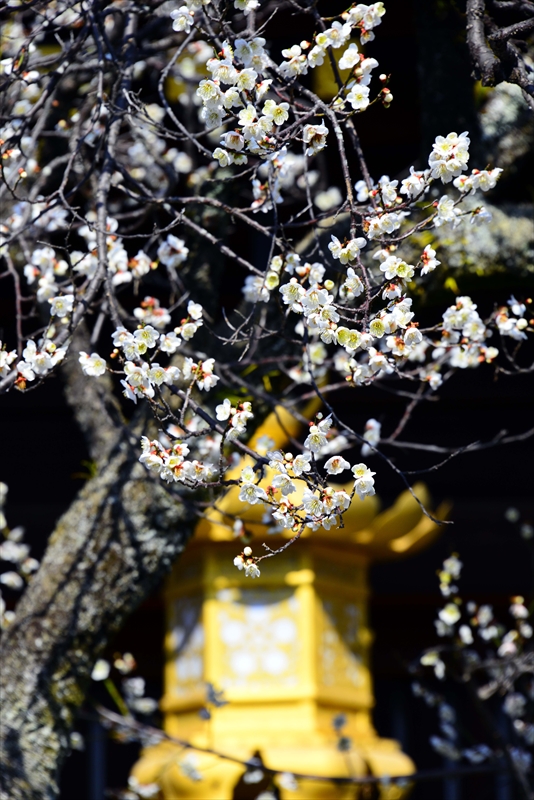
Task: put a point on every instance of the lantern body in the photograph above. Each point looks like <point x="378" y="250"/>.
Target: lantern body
<point x="289" y="650"/>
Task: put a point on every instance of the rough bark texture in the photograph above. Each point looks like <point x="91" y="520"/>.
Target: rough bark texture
<point x="107" y="553"/>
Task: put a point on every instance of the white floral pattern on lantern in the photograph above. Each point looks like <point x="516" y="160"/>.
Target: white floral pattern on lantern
<point x="259" y="639"/>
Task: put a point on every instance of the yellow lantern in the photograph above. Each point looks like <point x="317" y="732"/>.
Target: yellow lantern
<point x="290" y="650"/>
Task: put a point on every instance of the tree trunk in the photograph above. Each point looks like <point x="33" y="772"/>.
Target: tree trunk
<point x="107" y="553"/>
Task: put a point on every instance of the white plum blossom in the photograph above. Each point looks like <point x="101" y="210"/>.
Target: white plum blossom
<point x="350" y="58"/>
<point x="449" y="156"/>
<point x="415" y="184"/>
<point x="315" y="137"/>
<point x="383" y="223"/>
<point x="363" y="481"/>
<point x="358" y="97"/>
<point x="336" y="464"/>
<point x="255" y="289"/>
<point x="371" y="435"/>
<point x="201" y="373"/>
<point x="39" y="361"/>
<point x="183" y="18"/>
<point x="447" y="212"/>
<point x="172" y="252"/>
<point x="101" y="670"/>
<point x="6" y="359"/>
<point x="450" y="614"/>
<point x="348" y="251"/>
<point x="297" y="63"/>
<point x="352" y="286"/>
<point x="62" y="305"/>
<point x="92" y="365"/>
<point x="430" y="262"/>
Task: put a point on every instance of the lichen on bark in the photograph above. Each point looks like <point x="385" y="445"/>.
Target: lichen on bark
<point x="107" y="553"/>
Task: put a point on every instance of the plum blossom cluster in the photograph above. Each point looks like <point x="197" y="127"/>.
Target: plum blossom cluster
<point x="343" y="307"/>
<point x="121" y="268"/>
<point x="361" y="17"/>
<point x="237" y="416"/>
<point x="511" y="320"/>
<point x="141" y="376"/>
<point x="237" y="82"/>
<point x="293" y="494"/>
<point x="244" y="561"/>
<point x="498" y="646"/>
<point x="171" y="465"/>
<point x="38" y="360"/>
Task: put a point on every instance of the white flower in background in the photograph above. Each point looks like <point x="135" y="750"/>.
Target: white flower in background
<point x="432" y="659"/>
<point x="100" y="670"/>
<point x="328" y="199"/>
<point x="140" y="264"/>
<point x="150" y="312"/>
<point x="445" y="748"/>
<point x="172" y="252"/>
<point x="478" y="753"/>
<point x="287" y="781"/>
<point x="246" y="6"/>
<point x="371" y="435"/>
<point x="12" y="580"/>
<point x="144" y="790"/>
<point x="514" y="705"/>
<point x="255" y="289"/>
<point x="450" y="614"/>
<point x="466" y="634"/>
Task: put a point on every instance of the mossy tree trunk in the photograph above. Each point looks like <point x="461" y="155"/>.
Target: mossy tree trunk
<point x="107" y="553"/>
